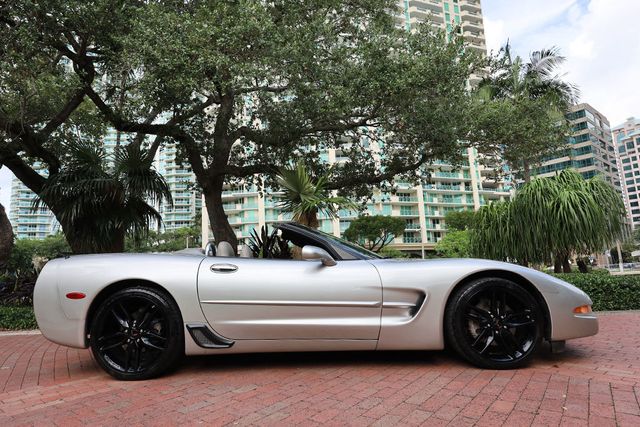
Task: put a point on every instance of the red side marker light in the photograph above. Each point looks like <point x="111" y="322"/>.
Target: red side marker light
<point x="75" y="295"/>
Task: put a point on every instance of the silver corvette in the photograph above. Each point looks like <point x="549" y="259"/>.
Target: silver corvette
<point x="140" y="313"/>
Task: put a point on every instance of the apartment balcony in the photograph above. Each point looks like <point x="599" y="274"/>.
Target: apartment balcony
<point x="404" y="200"/>
<point x="434" y="6"/>
<point x="411" y="239"/>
<point x="412" y="213"/>
<point x="412" y="227"/>
<point x="451" y="176"/>
<point x="473" y="25"/>
<point x="470" y="5"/>
<point x="473" y="36"/>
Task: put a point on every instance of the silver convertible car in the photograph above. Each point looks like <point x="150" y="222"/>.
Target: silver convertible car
<point x="140" y="313"/>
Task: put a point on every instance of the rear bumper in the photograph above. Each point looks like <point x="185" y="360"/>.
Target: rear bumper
<point x="52" y="321"/>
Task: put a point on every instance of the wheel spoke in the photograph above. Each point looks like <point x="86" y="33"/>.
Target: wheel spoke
<point x="484" y="314"/>
<point x="137" y="351"/>
<point x="506" y="347"/>
<point x="503" y="301"/>
<point x="112" y="336"/>
<point x="480" y="336"/>
<point x="490" y="339"/>
<point x="149" y="312"/>
<point x="516" y="320"/>
<point x="147" y="343"/>
<point x="114" y="345"/>
<point x="494" y="303"/>
<point x="149" y="334"/>
<point x="514" y="344"/>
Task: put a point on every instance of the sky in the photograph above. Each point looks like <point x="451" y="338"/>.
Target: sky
<point x="599" y="38"/>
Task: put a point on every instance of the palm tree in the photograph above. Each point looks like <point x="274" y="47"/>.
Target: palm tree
<point x="305" y="197"/>
<point x="100" y="201"/>
<point x="525" y="84"/>
<point x="549" y="220"/>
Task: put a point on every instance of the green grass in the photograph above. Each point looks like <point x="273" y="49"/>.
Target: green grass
<point x="17" y="318"/>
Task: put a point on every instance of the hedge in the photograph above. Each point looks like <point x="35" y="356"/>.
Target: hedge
<point x="607" y="292"/>
<point x="16" y="318"/>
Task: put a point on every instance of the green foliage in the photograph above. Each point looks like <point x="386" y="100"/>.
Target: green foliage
<point x="268" y="245"/>
<point x="168" y="241"/>
<point x="305" y="197"/>
<point x="560" y="215"/>
<point x="374" y="232"/>
<point x="459" y="220"/>
<point x="99" y="202"/>
<point x="454" y="244"/>
<point x="519" y="108"/>
<point x="608" y="292"/>
<point x="20" y="266"/>
<point x="17" y="318"/>
<point x="388" y="252"/>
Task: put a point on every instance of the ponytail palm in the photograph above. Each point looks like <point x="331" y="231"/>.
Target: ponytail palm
<point x="100" y="201"/>
<point x="551" y="218"/>
<point x="305" y="197"/>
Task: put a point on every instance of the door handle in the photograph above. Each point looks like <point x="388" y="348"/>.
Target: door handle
<point x="224" y="268"/>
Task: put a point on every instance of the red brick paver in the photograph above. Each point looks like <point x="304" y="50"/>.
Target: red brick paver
<point x="596" y="382"/>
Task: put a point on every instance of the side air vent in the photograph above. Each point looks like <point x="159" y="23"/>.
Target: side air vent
<point x="206" y="338"/>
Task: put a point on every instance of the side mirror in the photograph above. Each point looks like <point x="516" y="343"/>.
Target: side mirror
<point x="313" y="252"/>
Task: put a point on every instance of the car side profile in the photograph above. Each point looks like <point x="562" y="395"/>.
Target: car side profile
<point x="141" y="313"/>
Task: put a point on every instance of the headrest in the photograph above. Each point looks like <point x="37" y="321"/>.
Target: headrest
<point x="225" y="250"/>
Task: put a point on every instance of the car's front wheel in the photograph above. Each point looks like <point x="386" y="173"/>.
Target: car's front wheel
<point x="494" y="323"/>
<point x="137" y="333"/>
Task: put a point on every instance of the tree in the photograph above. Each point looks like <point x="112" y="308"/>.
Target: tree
<point x="6" y="237"/>
<point x="244" y="87"/>
<point x="305" y="197"/>
<point x="103" y="202"/>
<point x="520" y="108"/>
<point x="454" y="244"/>
<point x="45" y="77"/>
<point x="459" y="220"/>
<point x="549" y="220"/>
<point x="374" y="232"/>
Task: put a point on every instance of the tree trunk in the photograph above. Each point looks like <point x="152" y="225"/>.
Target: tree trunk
<point x="557" y="264"/>
<point x="6" y="237"/>
<point x="526" y="171"/>
<point x="566" y="266"/>
<point x="222" y="231"/>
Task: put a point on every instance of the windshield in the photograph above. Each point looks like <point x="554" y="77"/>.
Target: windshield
<point x="349" y="247"/>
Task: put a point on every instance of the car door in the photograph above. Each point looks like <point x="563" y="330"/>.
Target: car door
<point x="244" y="298"/>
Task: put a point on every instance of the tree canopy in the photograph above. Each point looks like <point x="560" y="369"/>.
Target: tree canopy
<point x="520" y="109"/>
<point x="454" y="244"/>
<point x="243" y="86"/>
<point x="557" y="216"/>
<point x="374" y="232"/>
<point x="459" y="220"/>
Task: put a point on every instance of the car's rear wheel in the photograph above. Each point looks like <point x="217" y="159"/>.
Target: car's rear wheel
<point x="494" y="323"/>
<point x="137" y="333"/>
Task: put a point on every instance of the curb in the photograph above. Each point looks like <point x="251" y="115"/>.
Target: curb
<point x="17" y="333"/>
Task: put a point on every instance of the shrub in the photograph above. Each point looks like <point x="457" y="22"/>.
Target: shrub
<point x="607" y="292"/>
<point x="15" y="318"/>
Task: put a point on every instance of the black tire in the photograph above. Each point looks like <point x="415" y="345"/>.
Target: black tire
<point x="137" y="334"/>
<point x="494" y="323"/>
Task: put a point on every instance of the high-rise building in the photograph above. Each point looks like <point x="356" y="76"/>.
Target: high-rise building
<point x="29" y="223"/>
<point x="186" y="199"/>
<point x="590" y="150"/>
<point x="422" y="206"/>
<point x="627" y="140"/>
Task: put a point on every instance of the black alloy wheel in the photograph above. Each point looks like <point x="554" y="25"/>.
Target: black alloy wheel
<point x="137" y="334"/>
<point x="494" y="323"/>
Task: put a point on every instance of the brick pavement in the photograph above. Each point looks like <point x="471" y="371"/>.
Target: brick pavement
<point x="595" y="382"/>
